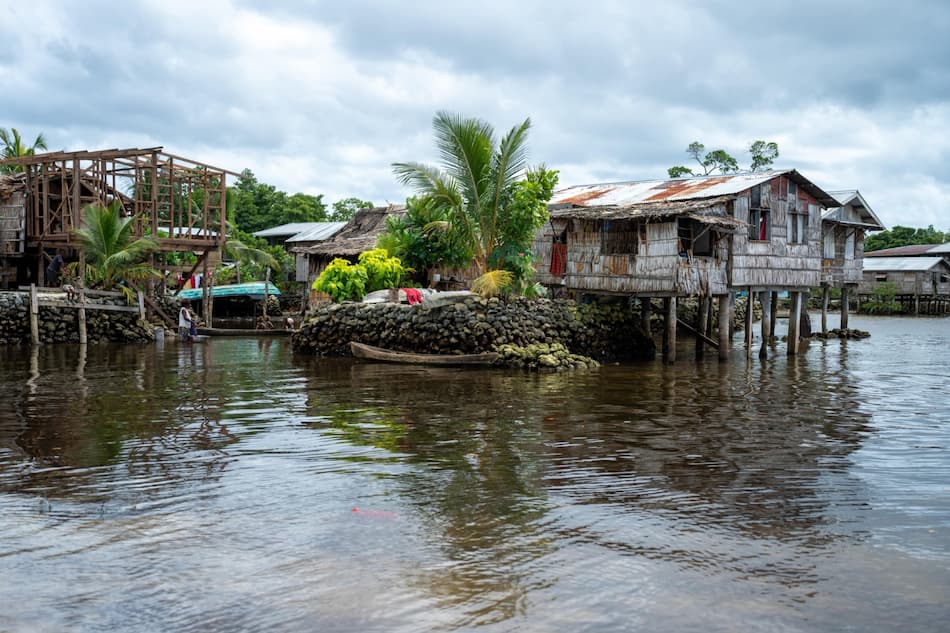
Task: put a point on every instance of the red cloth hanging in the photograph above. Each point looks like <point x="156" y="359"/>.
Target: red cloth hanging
<point x="558" y="259"/>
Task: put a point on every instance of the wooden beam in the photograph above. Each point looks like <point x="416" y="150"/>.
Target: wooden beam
<point x="794" y="320"/>
<point x="34" y="316"/>
<point x="766" y="301"/>
<point x="748" y="321"/>
<point x="725" y="325"/>
<point x="701" y="312"/>
<point x="825" y="292"/>
<point x="670" y="331"/>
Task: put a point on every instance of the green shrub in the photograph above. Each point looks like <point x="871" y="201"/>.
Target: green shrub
<point x="342" y="280"/>
<point x="382" y="271"/>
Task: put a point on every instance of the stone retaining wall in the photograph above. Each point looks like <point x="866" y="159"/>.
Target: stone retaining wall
<point x="60" y="325"/>
<point x="472" y="325"/>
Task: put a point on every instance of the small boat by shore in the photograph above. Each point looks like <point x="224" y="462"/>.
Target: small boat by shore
<point x="368" y="352"/>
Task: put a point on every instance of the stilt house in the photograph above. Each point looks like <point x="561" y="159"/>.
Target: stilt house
<point x="704" y="236"/>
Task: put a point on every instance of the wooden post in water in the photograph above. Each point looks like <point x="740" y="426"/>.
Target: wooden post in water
<point x="702" y="309"/>
<point x="825" y="292"/>
<point x="773" y="313"/>
<point x="82" y="299"/>
<point x="845" y="306"/>
<point x="748" y="322"/>
<point x="725" y="326"/>
<point x="765" y="300"/>
<point x="34" y="316"/>
<point x="669" y="331"/>
<point x="646" y="306"/>
<point x="141" y="298"/>
<point x="794" y="318"/>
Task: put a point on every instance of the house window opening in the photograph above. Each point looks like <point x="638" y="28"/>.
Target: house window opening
<point x="760" y="224"/>
<point x="796" y="219"/>
<point x="695" y="238"/>
<point x="880" y="277"/>
<point x="619" y="237"/>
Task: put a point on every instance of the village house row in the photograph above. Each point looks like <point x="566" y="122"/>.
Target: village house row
<point x="710" y="237"/>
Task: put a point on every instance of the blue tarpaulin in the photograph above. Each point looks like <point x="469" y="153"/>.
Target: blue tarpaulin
<point x="253" y="289"/>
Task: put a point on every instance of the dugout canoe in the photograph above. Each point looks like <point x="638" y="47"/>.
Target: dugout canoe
<point x="368" y="352"/>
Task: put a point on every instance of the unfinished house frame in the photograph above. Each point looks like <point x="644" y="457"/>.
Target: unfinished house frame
<point x="180" y="203"/>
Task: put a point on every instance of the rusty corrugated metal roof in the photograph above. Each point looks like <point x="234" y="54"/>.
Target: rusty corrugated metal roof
<point x="628" y="194"/>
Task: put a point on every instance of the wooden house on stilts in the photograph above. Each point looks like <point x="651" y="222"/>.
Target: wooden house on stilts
<point x="705" y="237"/>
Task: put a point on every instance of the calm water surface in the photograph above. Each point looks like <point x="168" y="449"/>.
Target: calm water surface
<point x="235" y="486"/>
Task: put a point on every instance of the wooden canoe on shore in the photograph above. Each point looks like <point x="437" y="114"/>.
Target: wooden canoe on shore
<point x="368" y="352"/>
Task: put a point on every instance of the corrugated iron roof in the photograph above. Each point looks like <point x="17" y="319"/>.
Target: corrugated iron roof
<point x="942" y="249"/>
<point x="628" y="194"/>
<point x="322" y="231"/>
<point x="903" y="264"/>
<point x="853" y="198"/>
<point x="291" y="229"/>
<point x="903" y="251"/>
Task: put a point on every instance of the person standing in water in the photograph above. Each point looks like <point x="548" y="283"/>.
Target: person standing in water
<point x="185" y="321"/>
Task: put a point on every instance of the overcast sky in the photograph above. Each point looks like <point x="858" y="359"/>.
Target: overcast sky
<point x="321" y="97"/>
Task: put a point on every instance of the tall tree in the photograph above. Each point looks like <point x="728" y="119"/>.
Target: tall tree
<point x="13" y="147"/>
<point x="260" y="206"/>
<point x="344" y="210"/>
<point x="491" y="198"/>
<point x="904" y="236"/>
<point x="763" y="155"/>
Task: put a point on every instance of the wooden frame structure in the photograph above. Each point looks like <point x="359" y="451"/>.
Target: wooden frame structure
<point x="179" y="202"/>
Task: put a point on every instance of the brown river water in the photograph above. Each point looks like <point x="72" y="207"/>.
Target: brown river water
<point x="235" y="486"/>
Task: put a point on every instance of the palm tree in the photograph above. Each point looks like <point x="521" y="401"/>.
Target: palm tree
<point x="112" y="253"/>
<point x="13" y="147"/>
<point x="474" y="182"/>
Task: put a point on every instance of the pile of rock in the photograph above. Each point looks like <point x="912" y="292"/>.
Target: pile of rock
<point x="845" y="334"/>
<point x="543" y="357"/>
<point x="471" y="324"/>
<point x="60" y="325"/>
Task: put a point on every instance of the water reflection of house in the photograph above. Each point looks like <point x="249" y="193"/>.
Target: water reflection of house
<point x="707" y="237"/>
<point x="358" y="235"/>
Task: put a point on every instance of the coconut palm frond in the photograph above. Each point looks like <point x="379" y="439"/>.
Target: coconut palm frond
<point x="492" y="283"/>
<point x="239" y="250"/>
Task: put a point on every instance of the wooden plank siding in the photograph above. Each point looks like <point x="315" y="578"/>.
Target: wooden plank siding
<point x="660" y="267"/>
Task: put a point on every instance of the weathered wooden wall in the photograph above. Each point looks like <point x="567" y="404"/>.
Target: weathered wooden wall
<point x="921" y="283"/>
<point x="845" y="264"/>
<point x="775" y="263"/>
<point x="13" y="224"/>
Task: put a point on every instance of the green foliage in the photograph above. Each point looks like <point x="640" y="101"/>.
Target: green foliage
<point x="382" y="271"/>
<point x="376" y="270"/>
<point x="13" y="147"/>
<point x="763" y="154"/>
<point x="344" y="210"/>
<point x="492" y="283"/>
<point x="492" y="205"/>
<point x="258" y="206"/>
<point x="882" y="301"/>
<point x="342" y="280"/>
<point x="904" y="236"/>
<point x="112" y="254"/>
<point x="423" y="238"/>
<point x="719" y="160"/>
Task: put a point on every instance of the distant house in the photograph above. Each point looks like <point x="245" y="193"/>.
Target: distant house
<point x="915" y="279"/>
<point x="913" y="250"/>
<point x="279" y="235"/>
<point x="356" y="236"/>
<point x="704" y="236"/>
<point x="843" y="229"/>
<point x="294" y="235"/>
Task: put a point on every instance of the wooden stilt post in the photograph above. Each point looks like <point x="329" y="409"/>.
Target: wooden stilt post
<point x="725" y="326"/>
<point x="82" y="300"/>
<point x="646" y="306"/>
<point x="794" y="319"/>
<point x="665" y="345"/>
<point x="773" y="312"/>
<point x="701" y="311"/>
<point x="825" y="292"/>
<point x="34" y="316"/>
<point x="916" y="305"/>
<point x="845" y="306"/>
<point x="765" y="300"/>
<point x="670" y="355"/>
<point x="141" y="298"/>
<point x="750" y="300"/>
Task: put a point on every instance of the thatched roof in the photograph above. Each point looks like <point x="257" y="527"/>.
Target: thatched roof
<point x="358" y="235"/>
<point x="708" y="210"/>
<point x="11" y="183"/>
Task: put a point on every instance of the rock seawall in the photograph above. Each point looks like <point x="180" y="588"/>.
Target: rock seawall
<point x="472" y="325"/>
<point x="60" y="325"/>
